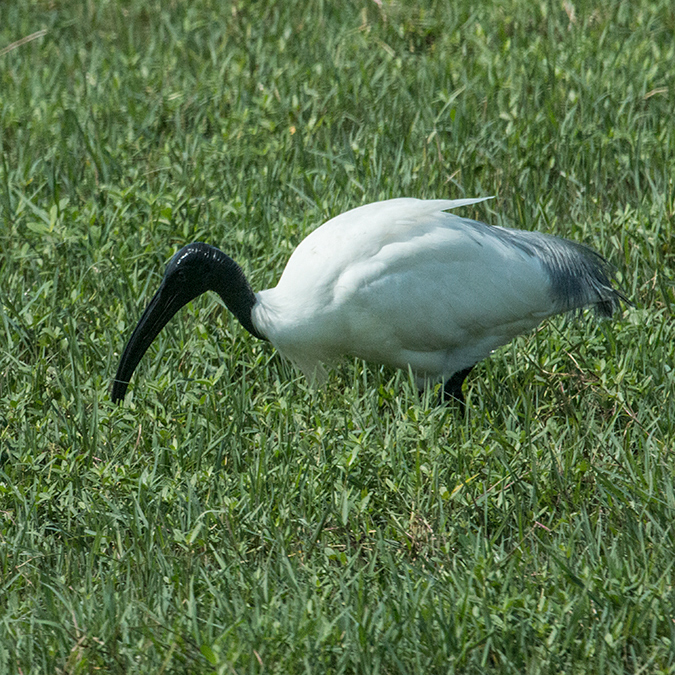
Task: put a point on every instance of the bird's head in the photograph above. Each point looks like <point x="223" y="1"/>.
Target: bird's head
<point x="191" y="272"/>
<point x="195" y="269"/>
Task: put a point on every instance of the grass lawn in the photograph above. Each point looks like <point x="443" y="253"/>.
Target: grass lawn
<point x="229" y="519"/>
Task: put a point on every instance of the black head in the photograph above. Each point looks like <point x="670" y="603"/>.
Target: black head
<point x="195" y="269"/>
<point x="192" y="271"/>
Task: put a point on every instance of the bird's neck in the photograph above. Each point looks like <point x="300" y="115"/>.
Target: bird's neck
<point x="233" y="287"/>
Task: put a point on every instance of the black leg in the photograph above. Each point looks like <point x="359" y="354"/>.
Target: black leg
<point x="452" y="389"/>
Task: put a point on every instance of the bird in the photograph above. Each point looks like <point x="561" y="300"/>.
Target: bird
<point x="400" y="282"/>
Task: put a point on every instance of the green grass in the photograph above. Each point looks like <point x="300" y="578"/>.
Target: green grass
<point x="227" y="519"/>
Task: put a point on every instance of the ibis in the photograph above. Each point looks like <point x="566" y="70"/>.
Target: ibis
<point x="400" y="282"/>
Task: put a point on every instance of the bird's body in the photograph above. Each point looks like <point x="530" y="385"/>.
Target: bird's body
<point x="405" y="284"/>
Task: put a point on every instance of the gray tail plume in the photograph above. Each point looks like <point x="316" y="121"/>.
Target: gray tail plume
<point x="580" y="277"/>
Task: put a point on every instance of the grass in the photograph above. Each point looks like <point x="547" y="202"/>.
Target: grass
<point x="227" y="519"/>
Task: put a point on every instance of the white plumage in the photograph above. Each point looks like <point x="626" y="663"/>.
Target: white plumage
<point x="403" y="283"/>
<point x="399" y="282"/>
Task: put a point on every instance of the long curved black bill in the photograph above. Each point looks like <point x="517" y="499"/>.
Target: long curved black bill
<point x="157" y="314"/>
